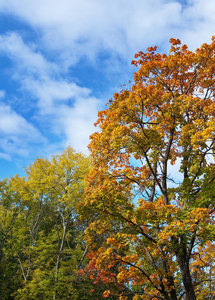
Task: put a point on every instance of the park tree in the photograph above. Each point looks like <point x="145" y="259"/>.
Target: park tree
<point x="151" y="190"/>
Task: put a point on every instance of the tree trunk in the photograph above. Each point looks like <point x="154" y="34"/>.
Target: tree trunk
<point x="186" y="278"/>
<point x="59" y="257"/>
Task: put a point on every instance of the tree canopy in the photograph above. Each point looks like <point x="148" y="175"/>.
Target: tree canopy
<point x="151" y="189"/>
<point x="41" y="237"/>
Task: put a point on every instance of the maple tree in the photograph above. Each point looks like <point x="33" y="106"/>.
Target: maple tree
<point x="151" y="189"/>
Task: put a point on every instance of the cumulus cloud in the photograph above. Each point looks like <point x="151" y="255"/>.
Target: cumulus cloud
<point x="78" y="121"/>
<point x="87" y="27"/>
<point x="26" y="58"/>
<point x="52" y="93"/>
<point x="57" y="99"/>
<point x="16" y="134"/>
<point x="71" y="110"/>
<point x="109" y="23"/>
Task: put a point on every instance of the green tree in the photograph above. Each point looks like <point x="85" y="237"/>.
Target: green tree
<point x="9" y="216"/>
<point x="41" y="234"/>
<point x="159" y="226"/>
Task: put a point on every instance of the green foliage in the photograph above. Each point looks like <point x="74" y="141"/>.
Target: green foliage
<point x="41" y="237"/>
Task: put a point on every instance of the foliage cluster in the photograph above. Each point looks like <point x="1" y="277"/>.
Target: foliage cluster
<point x="42" y="246"/>
<point x="151" y="187"/>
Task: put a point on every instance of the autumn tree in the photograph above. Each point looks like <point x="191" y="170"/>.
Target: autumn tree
<point x="151" y="189"/>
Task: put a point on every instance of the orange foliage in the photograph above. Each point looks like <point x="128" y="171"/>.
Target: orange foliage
<point x="151" y="227"/>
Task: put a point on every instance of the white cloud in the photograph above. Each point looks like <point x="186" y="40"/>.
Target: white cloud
<point x="11" y="123"/>
<point x="51" y="93"/>
<point x="108" y="23"/>
<point x="198" y="23"/>
<point x="26" y="58"/>
<point x="78" y="121"/>
<point x="57" y="100"/>
<point x="86" y="27"/>
<point x="16" y="134"/>
<point x="5" y="156"/>
<point x="71" y="110"/>
<point x="2" y="94"/>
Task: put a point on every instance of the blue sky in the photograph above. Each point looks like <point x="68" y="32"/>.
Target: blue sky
<point x="61" y="61"/>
